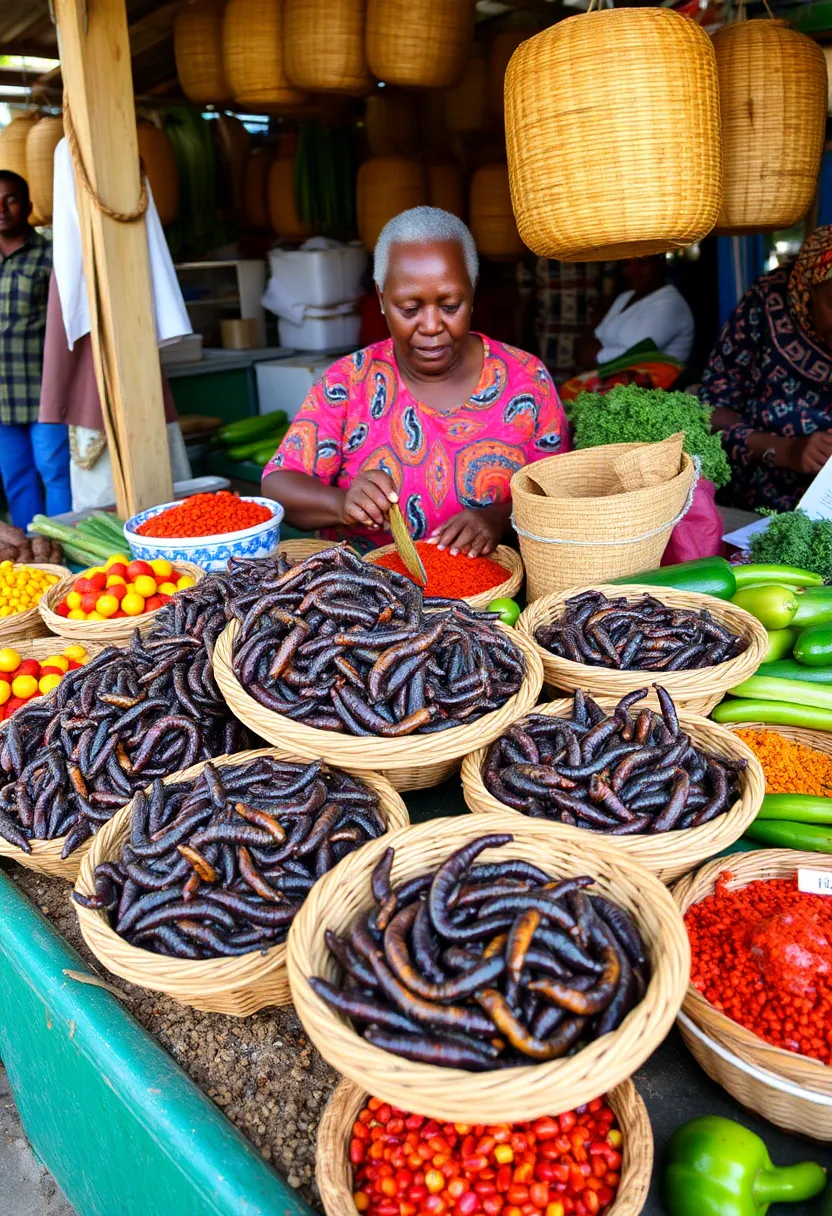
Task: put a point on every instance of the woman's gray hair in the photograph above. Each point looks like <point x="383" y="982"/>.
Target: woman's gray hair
<point x="423" y="226"/>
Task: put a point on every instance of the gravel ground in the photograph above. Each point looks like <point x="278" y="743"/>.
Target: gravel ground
<point x="261" y="1071"/>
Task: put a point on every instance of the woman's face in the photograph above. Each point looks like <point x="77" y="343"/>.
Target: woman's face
<point x="427" y="301"/>
<point x="821" y="309"/>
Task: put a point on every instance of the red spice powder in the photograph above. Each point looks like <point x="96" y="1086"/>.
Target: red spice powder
<point x="206" y="515"/>
<point x="762" y="955"/>
<point x="452" y="576"/>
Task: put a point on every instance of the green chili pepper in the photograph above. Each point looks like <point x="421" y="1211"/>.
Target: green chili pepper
<point x="774" y="606"/>
<point x="780" y="644"/>
<point x="810" y="837"/>
<point x="775" y="713"/>
<point x="716" y="1167"/>
<point x="797" y="808"/>
<point x="788" y="576"/>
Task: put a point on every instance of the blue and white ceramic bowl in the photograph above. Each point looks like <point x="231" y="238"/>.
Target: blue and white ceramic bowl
<point x="209" y="552"/>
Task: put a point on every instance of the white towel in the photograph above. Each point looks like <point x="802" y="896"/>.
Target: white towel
<point x="169" y="309"/>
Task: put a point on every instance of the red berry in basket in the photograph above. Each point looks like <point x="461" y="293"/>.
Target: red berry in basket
<point x="82" y="586"/>
<point x="118" y="591"/>
<point x="88" y="601"/>
<point x="154" y="602"/>
<point x="139" y="567"/>
<point x="74" y="665"/>
<point x="98" y="581"/>
<point x="116" y="615"/>
<point x="63" y="608"/>
<point x="29" y="667"/>
<point x="118" y="568"/>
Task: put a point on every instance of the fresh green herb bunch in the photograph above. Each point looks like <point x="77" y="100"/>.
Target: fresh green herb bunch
<point x="793" y="539"/>
<point x="629" y="414"/>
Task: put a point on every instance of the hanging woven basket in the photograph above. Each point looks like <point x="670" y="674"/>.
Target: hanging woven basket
<point x="612" y="132"/>
<point x="386" y="185"/>
<point x="391" y="122"/>
<point x="445" y="186"/>
<point x="283" y="214"/>
<point x="324" y="48"/>
<point x="466" y="105"/>
<point x="197" y="46"/>
<point x="500" y="51"/>
<point x="41" y="141"/>
<point x="255" y="188"/>
<point x="491" y="216"/>
<point x="159" y="160"/>
<point x="13" y="139"/>
<point x="773" y="98"/>
<point x="253" y="43"/>
<point x="420" y="46"/>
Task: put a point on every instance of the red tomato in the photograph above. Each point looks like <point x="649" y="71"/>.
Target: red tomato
<point x="118" y="568"/>
<point x="62" y="609"/>
<point x="29" y="667"/>
<point x="12" y="704"/>
<point x="154" y="602"/>
<point x="88" y="601"/>
<point x="74" y="665"/>
<point x="138" y="567"/>
<point x="116" y="615"/>
<point x="82" y="586"/>
<point x="118" y="590"/>
<point x="166" y="599"/>
<point x="47" y="670"/>
<point x="98" y="582"/>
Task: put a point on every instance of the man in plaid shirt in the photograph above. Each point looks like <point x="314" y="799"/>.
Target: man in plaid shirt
<point x="31" y="452"/>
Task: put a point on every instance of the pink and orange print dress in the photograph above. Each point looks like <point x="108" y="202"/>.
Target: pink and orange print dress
<point x="361" y="416"/>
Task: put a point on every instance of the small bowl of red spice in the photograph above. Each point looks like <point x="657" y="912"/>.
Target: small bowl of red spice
<point x="761" y="970"/>
<point x="206" y="529"/>
<point x="477" y="580"/>
<point x="378" y="1160"/>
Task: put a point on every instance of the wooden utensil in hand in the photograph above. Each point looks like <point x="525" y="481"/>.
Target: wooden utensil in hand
<point x="404" y="545"/>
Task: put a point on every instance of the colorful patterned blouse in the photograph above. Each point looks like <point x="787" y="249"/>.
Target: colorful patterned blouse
<point x="361" y="415"/>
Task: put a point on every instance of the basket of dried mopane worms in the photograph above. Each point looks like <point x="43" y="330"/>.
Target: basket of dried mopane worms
<point x="192" y="887"/>
<point x="609" y="640"/>
<point x="670" y="791"/>
<point x="487" y="977"/>
<point x="614" y="1129"/>
<point x="337" y="659"/>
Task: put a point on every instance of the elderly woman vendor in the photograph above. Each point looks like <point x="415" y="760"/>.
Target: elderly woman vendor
<point x="436" y="418"/>
<point x="769" y="379"/>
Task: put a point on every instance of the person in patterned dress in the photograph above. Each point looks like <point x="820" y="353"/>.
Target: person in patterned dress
<point x="769" y="379"/>
<point x="436" y="418"/>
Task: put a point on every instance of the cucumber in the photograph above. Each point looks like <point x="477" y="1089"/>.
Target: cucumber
<point x="706" y="575"/>
<point x="247" y="429"/>
<point x="245" y="451"/>
<point x="780" y="644"/>
<point x="813" y="647"/>
<point x="814" y="607"/>
<point x="788" y="669"/>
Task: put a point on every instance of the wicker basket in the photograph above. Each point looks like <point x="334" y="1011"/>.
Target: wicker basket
<point x="41" y="141"/>
<point x="668" y="855"/>
<point x="159" y="163"/>
<point x="512" y="1094"/>
<point x="772" y="91"/>
<point x="502" y="555"/>
<point x="334" y="1174"/>
<point x="255" y="188"/>
<point x="419" y="46"/>
<point x="29" y="624"/>
<point x="745" y="868"/>
<point x="13" y="140"/>
<point x="197" y="46"/>
<point x="415" y="762"/>
<point x="252" y="49"/>
<point x="820" y="740"/>
<point x="492" y="219"/>
<point x="239" y="985"/>
<point x="324" y="47"/>
<point x="445" y="187"/>
<point x="386" y="185"/>
<point x="391" y="122"/>
<point x="106" y="633"/>
<point x="612" y="131"/>
<point x="299" y="550"/>
<point x="280" y="194"/>
<point x="789" y="1106"/>
<point x="466" y="105"/>
<point x="694" y="692"/>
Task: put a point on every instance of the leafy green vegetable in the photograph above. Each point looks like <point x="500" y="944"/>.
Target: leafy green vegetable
<point x="793" y="539"/>
<point x="629" y="414"/>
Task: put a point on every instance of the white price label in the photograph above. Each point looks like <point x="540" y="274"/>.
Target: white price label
<point x="815" y="882"/>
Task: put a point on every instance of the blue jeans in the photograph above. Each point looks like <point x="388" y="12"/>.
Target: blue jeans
<point x="30" y="455"/>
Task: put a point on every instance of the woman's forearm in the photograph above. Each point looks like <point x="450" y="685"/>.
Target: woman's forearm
<point x="308" y="503"/>
<point x="722" y="418"/>
<point x="783" y="447"/>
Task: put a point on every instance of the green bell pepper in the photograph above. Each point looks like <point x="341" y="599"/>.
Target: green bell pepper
<point x="716" y="1167"/>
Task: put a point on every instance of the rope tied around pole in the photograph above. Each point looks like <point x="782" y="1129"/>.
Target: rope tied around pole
<point x="121" y="217"/>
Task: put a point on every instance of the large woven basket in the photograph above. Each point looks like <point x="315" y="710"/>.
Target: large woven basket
<point x="391" y="122"/>
<point x="502" y="555"/>
<point x="668" y="855"/>
<point x="695" y="692"/>
<point x="324" y="45"/>
<point x="160" y="165"/>
<point x="29" y="624"/>
<point x="466" y="105"/>
<point x="106" y="633"/>
<point x="253" y="41"/>
<point x="508" y="1094"/>
<point x="334" y="1174"/>
<point x="582" y="528"/>
<point x="783" y="1103"/>
<point x="41" y="141"/>
<point x="820" y="740"/>
<point x="238" y="986"/>
<point x="280" y="197"/>
<point x="491" y="215"/>
<point x="744" y="868"/>
<point x="612" y="131"/>
<point x="197" y="45"/>
<point x="419" y="46"/>
<point x="299" y="550"/>
<point x="500" y="50"/>
<point x="414" y="762"/>
<point x="445" y="187"/>
<point x="386" y="185"/>
<point x="772" y="92"/>
<point x="13" y="140"/>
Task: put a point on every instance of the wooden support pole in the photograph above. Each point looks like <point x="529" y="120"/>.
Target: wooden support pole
<point x="95" y="59"/>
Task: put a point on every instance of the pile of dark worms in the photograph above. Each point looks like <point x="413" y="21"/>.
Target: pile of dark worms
<point x="484" y="966"/>
<point x="338" y="644"/>
<point x="643" y="634"/>
<point x="614" y="773"/>
<point x="220" y="864"/>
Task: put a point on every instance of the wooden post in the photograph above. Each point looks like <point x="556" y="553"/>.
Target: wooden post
<point x="98" y="84"/>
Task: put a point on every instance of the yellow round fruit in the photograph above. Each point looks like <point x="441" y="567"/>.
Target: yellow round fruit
<point x="114" y="580"/>
<point x="73" y="599"/>
<point x="24" y="686"/>
<point x="76" y="652"/>
<point x="56" y="660"/>
<point x="161" y="566"/>
<point x="106" y="606"/>
<point x="186" y="580"/>
<point x="5" y="691"/>
<point x="6" y="565"/>
<point x="76" y="614"/>
<point x="47" y="683"/>
<point x="95" y="616"/>
<point x="133" y="604"/>
<point x="145" y="585"/>
<point x="167" y="589"/>
<point x="118" y="559"/>
<point x="94" y="570"/>
<point x="10" y="660"/>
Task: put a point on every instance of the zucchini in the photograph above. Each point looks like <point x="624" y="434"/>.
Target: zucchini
<point x="780" y="644"/>
<point x="247" y="429"/>
<point x="790" y="576"/>
<point x="788" y="669"/>
<point x="813" y="647"/>
<point x="814" y="607"/>
<point x="705" y="575"/>
<point x="796" y="808"/>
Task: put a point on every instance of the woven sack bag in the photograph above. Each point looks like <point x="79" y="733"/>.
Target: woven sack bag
<point x="197" y="46"/>
<point x="41" y="142"/>
<point x="253" y="41"/>
<point x="419" y="46"/>
<point x="159" y="161"/>
<point x="491" y="216"/>
<point x="612" y="131"/>
<point x="772" y="92"/>
<point x="386" y="185"/>
<point x="324" y="46"/>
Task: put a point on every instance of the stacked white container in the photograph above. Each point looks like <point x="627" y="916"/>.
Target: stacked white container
<point x="326" y="284"/>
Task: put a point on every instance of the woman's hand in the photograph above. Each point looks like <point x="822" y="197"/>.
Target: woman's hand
<point x="811" y="452"/>
<point x="475" y="531"/>
<point x="367" y="500"/>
